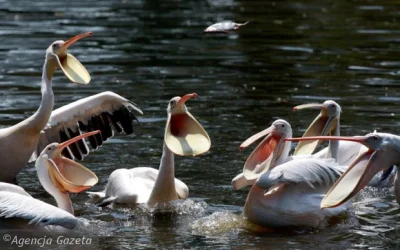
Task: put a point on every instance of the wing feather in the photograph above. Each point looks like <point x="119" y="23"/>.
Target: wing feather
<point x="106" y="111"/>
<point x="22" y="206"/>
<point x="310" y="171"/>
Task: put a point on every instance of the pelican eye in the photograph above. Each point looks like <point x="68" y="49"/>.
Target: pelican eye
<point x="283" y="125"/>
<point x="49" y="148"/>
<point x="375" y="137"/>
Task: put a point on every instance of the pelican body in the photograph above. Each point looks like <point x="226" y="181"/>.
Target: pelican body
<point x="58" y="175"/>
<point x="286" y="191"/>
<point x="381" y="153"/>
<point x="183" y="136"/>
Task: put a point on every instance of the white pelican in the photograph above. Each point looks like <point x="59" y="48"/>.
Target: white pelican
<point x="26" y="133"/>
<point x="106" y="111"/>
<point x="345" y="152"/>
<point x="326" y="123"/>
<point x="287" y="192"/>
<point x="57" y="175"/>
<point x="381" y="153"/>
<point x="183" y="136"/>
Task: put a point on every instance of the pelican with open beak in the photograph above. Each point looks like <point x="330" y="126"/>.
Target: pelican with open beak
<point x="27" y="132"/>
<point x="381" y="153"/>
<point x="286" y="191"/>
<point x="71" y="67"/>
<point x="183" y="133"/>
<point x="183" y="136"/>
<point x="271" y="151"/>
<point x="327" y="122"/>
<point x="58" y="176"/>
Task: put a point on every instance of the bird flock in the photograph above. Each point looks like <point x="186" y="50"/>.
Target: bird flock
<point x="304" y="189"/>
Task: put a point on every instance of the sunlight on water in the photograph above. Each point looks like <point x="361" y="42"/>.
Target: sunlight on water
<point x="292" y="52"/>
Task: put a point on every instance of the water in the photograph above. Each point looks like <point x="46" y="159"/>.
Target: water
<point x="292" y="52"/>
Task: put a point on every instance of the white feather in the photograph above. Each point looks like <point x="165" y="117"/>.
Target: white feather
<point x="15" y="203"/>
<point x="309" y="171"/>
<point x="132" y="186"/>
<point x="68" y="116"/>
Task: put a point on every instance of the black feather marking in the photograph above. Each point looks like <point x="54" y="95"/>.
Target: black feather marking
<point x="82" y="126"/>
<point x="132" y="113"/>
<point x="92" y="139"/>
<point x="74" y="146"/>
<point x="107" y="133"/>
<point x="114" y="123"/>
<point x="100" y="126"/>
<point x="82" y="145"/>
<point x="96" y="125"/>
<point x="64" y="137"/>
<point x="126" y="120"/>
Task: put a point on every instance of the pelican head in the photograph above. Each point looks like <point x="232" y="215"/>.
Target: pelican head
<point x="382" y="151"/>
<point x="269" y="152"/>
<point x="327" y="122"/>
<point x="183" y="134"/>
<point x="64" y="174"/>
<point x="58" y="57"/>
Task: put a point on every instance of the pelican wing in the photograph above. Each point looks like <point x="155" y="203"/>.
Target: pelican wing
<point x="106" y="111"/>
<point x="310" y="171"/>
<point x="23" y="206"/>
<point x="7" y="187"/>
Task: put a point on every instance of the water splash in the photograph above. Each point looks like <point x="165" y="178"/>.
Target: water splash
<point x="218" y="223"/>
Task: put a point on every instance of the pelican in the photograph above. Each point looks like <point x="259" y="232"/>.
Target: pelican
<point x="286" y="191"/>
<point x="327" y="122"/>
<point x="106" y="111"/>
<point x="27" y="132"/>
<point x="58" y="175"/>
<point x="183" y="136"/>
<point x="381" y="153"/>
<point x="345" y="152"/>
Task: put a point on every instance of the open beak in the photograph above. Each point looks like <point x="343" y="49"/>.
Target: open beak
<point x="71" y="67"/>
<point x="184" y="135"/>
<point x="68" y="175"/>
<point x="367" y="164"/>
<point x="322" y="125"/>
<point x="264" y="155"/>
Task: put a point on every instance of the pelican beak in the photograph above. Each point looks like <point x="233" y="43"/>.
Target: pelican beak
<point x="264" y="155"/>
<point x="183" y="133"/>
<point x="68" y="175"/>
<point x="71" y="67"/>
<point x="322" y="125"/>
<point x="367" y="164"/>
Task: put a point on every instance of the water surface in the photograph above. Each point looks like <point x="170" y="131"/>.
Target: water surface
<point x="292" y="52"/>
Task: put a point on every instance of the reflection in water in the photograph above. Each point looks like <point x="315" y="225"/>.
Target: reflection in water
<point x="150" y="51"/>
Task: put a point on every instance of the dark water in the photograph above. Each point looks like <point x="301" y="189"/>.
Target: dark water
<point x="293" y="52"/>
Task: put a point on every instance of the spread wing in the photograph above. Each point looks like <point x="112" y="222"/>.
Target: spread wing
<point x="107" y="111"/>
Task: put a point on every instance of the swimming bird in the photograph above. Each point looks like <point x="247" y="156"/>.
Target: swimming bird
<point x="18" y="142"/>
<point x="287" y="191"/>
<point x="106" y="111"/>
<point x="345" y="152"/>
<point x="58" y="176"/>
<point x="183" y="136"/>
<point x="326" y="123"/>
<point x="381" y="152"/>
